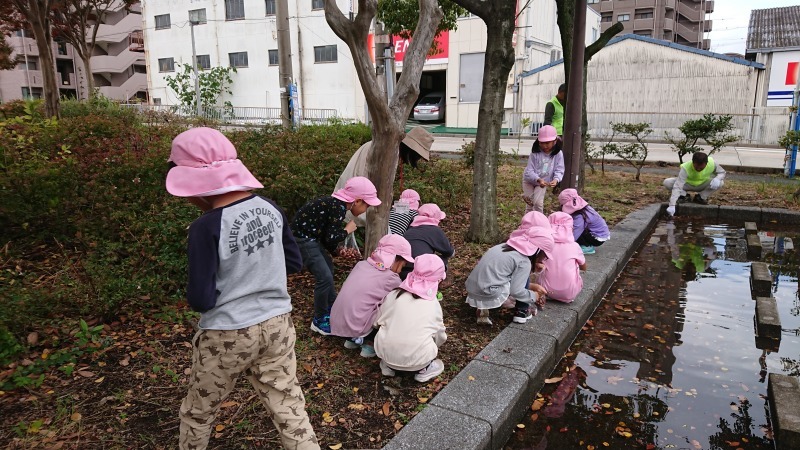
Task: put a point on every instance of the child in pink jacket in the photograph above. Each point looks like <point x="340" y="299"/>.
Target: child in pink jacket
<point x="561" y="276"/>
<point x="356" y="306"/>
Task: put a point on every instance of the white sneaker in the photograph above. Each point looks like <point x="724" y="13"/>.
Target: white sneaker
<point x="386" y="370"/>
<point x="483" y="317"/>
<point x="434" y="369"/>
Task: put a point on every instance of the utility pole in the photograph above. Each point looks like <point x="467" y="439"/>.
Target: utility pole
<point x="573" y="146"/>
<point x="192" y="23"/>
<point x="284" y="61"/>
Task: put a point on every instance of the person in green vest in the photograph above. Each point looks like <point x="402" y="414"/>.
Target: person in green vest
<point x="554" y="110"/>
<point x="701" y="175"/>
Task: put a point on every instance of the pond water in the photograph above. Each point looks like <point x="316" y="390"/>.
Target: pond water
<point x="670" y="358"/>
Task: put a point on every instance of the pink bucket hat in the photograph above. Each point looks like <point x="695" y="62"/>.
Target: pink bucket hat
<point x="571" y="201"/>
<point x="428" y="214"/>
<point x="389" y="247"/>
<point x="411" y="197"/>
<point x="561" y="223"/>
<point x="206" y="164"/>
<point x="534" y="238"/>
<point x="358" y="188"/>
<point x="424" y="279"/>
<point x="547" y="133"/>
<point x="531" y="219"/>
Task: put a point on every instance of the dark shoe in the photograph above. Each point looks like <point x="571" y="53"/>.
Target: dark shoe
<point x="700" y="200"/>
<point x="683" y="199"/>
<point x="522" y="315"/>
<point x="321" y="325"/>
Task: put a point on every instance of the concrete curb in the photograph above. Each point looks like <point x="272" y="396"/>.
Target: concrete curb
<point x="479" y="408"/>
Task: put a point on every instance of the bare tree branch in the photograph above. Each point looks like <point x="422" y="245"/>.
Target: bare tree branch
<point x="601" y="42"/>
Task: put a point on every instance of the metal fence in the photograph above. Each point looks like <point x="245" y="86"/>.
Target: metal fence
<point x="763" y="126"/>
<point x="237" y="115"/>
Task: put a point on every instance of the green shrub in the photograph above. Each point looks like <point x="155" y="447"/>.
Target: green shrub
<point x="442" y="181"/>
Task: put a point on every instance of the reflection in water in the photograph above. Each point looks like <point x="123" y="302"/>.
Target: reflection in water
<point x="670" y="358"/>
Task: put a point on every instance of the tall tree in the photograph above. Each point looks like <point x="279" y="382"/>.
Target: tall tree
<point x="566" y="27"/>
<point x="36" y="16"/>
<point x="77" y="22"/>
<point x="388" y="120"/>
<point x="500" y="19"/>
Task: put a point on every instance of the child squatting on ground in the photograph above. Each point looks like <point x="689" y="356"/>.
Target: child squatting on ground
<point x="545" y="169"/>
<point x="318" y="229"/>
<point x="240" y="251"/>
<point x="561" y="277"/>
<point x="426" y="237"/>
<point x="588" y="226"/>
<point x="504" y="271"/>
<point x="411" y="325"/>
<point x="403" y="212"/>
<point x="356" y="306"/>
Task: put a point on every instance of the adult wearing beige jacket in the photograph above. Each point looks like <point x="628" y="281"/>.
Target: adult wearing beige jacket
<point x="411" y="324"/>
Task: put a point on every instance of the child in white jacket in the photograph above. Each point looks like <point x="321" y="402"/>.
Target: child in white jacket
<point x="410" y="323"/>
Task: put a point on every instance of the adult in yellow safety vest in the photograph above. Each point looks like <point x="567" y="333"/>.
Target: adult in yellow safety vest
<point x="701" y="175"/>
<point x="554" y="110"/>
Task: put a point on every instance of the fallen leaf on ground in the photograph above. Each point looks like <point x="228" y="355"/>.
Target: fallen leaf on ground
<point x="76" y="417"/>
<point x="386" y="407"/>
<point x="553" y="380"/>
<point x="335" y="446"/>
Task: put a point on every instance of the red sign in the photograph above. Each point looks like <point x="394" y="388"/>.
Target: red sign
<point x="792" y="72"/>
<point x="442" y="49"/>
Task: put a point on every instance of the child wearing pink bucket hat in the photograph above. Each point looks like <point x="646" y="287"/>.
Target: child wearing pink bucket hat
<point x="545" y="168"/>
<point x="356" y="307"/>
<point x="504" y="271"/>
<point x="426" y="237"/>
<point x="411" y="325"/>
<point x="403" y="212"/>
<point x="561" y="277"/>
<point x="317" y="226"/>
<point x="240" y="251"/>
<point x="589" y="227"/>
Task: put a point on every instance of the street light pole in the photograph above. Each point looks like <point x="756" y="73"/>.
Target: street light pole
<point x="192" y="23"/>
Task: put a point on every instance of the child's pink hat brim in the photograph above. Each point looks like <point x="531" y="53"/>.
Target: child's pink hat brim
<point x="424" y="280"/>
<point x="206" y="164"/>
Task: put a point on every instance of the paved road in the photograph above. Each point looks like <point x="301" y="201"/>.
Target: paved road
<point x="732" y="157"/>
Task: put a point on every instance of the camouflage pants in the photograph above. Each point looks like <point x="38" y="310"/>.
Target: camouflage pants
<point x="265" y="354"/>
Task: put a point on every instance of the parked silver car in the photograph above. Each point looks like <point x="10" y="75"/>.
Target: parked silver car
<point x="431" y="107"/>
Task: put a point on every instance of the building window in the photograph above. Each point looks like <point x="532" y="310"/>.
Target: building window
<point x="644" y="33"/>
<point x="204" y="62"/>
<point x="198" y="16"/>
<point x="644" y="14"/>
<point x="234" y="9"/>
<point x="273" y="57"/>
<point x="238" y="59"/>
<point x="317" y="4"/>
<point x="595" y="34"/>
<point x="62" y="48"/>
<point x="29" y="63"/>
<point x="166" y="64"/>
<point x="139" y="68"/>
<point x="592" y="2"/>
<point x="325" y="53"/>
<point x="271" y="8"/>
<point x="162" y="22"/>
<point x="31" y="93"/>
<point x="623" y="17"/>
<point x="605" y="18"/>
<point x="555" y="54"/>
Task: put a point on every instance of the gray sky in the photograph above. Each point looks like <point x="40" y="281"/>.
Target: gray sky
<point x="731" y="18"/>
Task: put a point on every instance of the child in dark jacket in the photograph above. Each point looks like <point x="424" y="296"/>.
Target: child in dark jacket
<point x="319" y="228"/>
<point x="426" y="237"/>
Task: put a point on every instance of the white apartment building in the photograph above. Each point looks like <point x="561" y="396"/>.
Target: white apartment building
<point x="118" y="64"/>
<point x="243" y="33"/>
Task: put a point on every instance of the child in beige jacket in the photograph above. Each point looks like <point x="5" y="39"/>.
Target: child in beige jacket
<point x="410" y="323"/>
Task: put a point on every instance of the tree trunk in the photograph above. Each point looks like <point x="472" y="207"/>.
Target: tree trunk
<point x="498" y="62"/>
<point x="37" y="15"/>
<point x="565" y="12"/>
<point x="87" y="67"/>
<point x="388" y="118"/>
